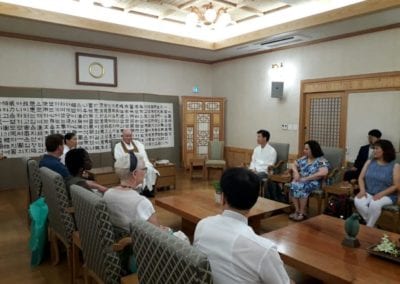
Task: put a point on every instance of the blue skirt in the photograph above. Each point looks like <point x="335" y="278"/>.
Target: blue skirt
<point x="303" y="189"/>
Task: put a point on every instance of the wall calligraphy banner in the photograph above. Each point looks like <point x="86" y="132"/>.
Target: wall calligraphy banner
<point x="25" y="122"/>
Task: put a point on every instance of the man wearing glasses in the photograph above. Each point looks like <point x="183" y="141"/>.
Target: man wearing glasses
<point x="124" y="202"/>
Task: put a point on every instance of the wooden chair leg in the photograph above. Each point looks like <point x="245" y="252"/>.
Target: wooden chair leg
<point x="54" y="250"/>
<point x="262" y="188"/>
<point x="70" y="262"/>
<point x="86" y="277"/>
<point x="326" y="198"/>
<point x="319" y="208"/>
<point x="76" y="263"/>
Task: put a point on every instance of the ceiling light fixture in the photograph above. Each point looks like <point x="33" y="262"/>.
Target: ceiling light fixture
<point x="207" y="15"/>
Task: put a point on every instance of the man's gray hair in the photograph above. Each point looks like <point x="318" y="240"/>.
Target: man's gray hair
<point x="122" y="166"/>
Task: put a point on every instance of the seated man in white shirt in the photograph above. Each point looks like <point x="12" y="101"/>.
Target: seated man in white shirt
<point x="264" y="155"/>
<point x="128" y="145"/>
<point x="236" y="253"/>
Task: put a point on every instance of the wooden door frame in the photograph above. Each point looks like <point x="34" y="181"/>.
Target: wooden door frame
<point x="384" y="81"/>
<point x="184" y="112"/>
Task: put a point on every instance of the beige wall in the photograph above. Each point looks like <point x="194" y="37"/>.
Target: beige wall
<point x="367" y="111"/>
<point x="34" y="64"/>
<point x="246" y="82"/>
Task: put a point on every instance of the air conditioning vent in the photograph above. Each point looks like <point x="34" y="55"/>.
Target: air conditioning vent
<point x="286" y="40"/>
<point x="242" y="47"/>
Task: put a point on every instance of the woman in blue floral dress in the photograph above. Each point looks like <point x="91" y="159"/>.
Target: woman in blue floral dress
<point x="308" y="172"/>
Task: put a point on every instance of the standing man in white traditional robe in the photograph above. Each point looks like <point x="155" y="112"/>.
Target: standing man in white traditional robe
<point x="128" y="145"/>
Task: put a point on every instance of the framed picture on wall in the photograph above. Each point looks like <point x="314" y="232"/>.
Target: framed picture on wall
<point x="96" y="70"/>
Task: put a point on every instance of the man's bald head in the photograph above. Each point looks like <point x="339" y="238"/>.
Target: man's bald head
<point x="127" y="135"/>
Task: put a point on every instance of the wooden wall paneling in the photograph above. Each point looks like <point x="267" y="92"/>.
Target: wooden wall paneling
<point x="384" y="81"/>
<point x="238" y="157"/>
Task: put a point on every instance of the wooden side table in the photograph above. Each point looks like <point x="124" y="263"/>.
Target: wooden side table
<point x="167" y="176"/>
<point x="337" y="189"/>
<point x="197" y="167"/>
<point x="104" y="176"/>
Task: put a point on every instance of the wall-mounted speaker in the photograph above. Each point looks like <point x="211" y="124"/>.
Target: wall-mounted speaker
<point x="277" y="90"/>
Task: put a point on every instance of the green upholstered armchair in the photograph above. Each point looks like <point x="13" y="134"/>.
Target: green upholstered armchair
<point x="215" y="156"/>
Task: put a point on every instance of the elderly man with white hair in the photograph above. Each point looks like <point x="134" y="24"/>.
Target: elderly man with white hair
<point x="128" y="145"/>
<point x="124" y="203"/>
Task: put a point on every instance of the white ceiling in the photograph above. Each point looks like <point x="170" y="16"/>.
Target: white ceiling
<point x="168" y="16"/>
<point x="60" y="32"/>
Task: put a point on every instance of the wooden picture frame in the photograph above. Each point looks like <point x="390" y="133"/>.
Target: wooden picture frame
<point x="96" y="70"/>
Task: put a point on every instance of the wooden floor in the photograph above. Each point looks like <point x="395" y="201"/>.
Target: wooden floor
<point x="14" y="236"/>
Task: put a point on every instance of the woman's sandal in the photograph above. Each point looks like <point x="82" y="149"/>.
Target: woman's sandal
<point x="299" y="217"/>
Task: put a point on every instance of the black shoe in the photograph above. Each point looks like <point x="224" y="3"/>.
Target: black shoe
<point x="146" y="192"/>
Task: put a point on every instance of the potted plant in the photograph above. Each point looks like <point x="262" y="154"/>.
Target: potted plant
<point x="218" y="191"/>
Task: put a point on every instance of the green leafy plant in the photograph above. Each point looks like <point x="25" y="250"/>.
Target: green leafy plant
<point x="387" y="246"/>
<point x="217" y="186"/>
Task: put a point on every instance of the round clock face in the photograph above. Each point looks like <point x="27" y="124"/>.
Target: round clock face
<point x="96" y="70"/>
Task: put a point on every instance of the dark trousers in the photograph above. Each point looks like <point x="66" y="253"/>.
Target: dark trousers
<point x="274" y="192"/>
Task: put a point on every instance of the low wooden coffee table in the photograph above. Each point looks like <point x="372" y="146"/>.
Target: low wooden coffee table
<point x="198" y="204"/>
<point x="314" y="247"/>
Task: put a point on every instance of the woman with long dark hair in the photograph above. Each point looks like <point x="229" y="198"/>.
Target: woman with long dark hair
<point x="379" y="182"/>
<point x="308" y="172"/>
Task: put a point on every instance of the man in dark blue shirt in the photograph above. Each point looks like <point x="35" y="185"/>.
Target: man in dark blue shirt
<point x="51" y="160"/>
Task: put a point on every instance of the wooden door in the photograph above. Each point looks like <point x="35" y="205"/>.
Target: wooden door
<point x="202" y="121"/>
<point x="325" y="116"/>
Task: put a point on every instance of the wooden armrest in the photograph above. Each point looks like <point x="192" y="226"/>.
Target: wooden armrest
<point x="277" y="165"/>
<point x="285" y="177"/>
<point x="130" y="279"/>
<point x="332" y="173"/>
<point x="70" y="210"/>
<point x="121" y="244"/>
<point x="280" y="178"/>
<point x="354" y="182"/>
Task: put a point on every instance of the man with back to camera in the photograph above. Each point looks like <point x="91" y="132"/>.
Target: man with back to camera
<point x="364" y="154"/>
<point x="55" y="149"/>
<point x="264" y="155"/>
<point x="235" y="252"/>
<point x="128" y="145"/>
